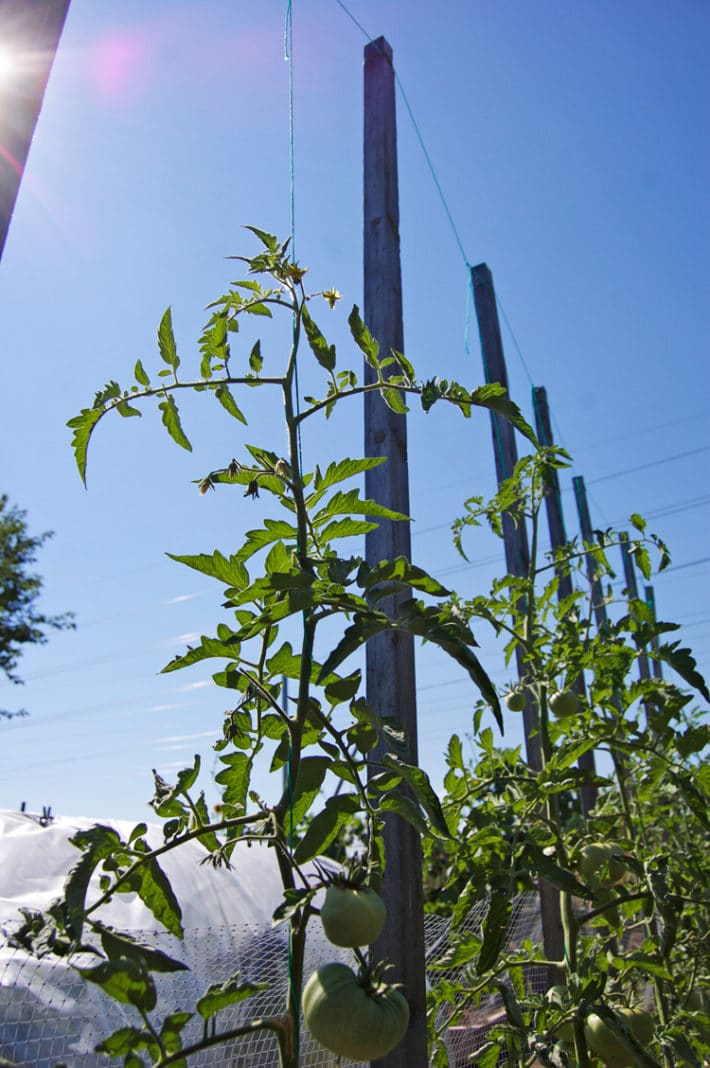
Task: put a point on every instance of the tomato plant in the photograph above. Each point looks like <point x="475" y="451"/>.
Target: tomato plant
<point x="515" y="701"/>
<point x="626" y="915"/>
<point x="288" y="577"/>
<point x="356" y="1017"/>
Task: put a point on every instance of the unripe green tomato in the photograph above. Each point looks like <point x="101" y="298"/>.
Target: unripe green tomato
<point x="515" y="701"/>
<point x="602" y="1040"/>
<point x="559" y="995"/>
<point x="350" y="1020"/>
<point x="352" y="916"/>
<point x="564" y="703"/>
<point x="602" y="855"/>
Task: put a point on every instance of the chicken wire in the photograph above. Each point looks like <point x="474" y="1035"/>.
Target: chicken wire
<point x="49" y="1015"/>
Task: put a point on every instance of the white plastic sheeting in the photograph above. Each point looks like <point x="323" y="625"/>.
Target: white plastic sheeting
<point x="49" y="1015"/>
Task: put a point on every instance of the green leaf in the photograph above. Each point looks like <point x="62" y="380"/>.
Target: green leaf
<point x="311" y="772"/>
<point x="208" y="649"/>
<point x="273" y="530"/>
<point x="166" y="341"/>
<point x="121" y="1041"/>
<point x="418" y="781"/>
<point x="343" y="469"/>
<point x="495" y="397"/>
<point x="495" y="930"/>
<point x="361" y="630"/>
<point x="83" y="426"/>
<point x="454" y="637"/>
<point x="350" y="503"/>
<point x="228" y="402"/>
<point x="140" y="375"/>
<point x="170" y="1033"/>
<point x="256" y="360"/>
<point x="230" y="571"/>
<point x="394" y="400"/>
<point x="644" y="963"/>
<point x="97" y="843"/>
<point x="343" y="689"/>
<point x="120" y="944"/>
<point x="346" y="528"/>
<point x="466" y="947"/>
<point x="323" y="352"/>
<point x="683" y="662"/>
<point x="407" y="809"/>
<point x="221" y="995"/>
<point x="125" y="981"/>
<point x="171" y="421"/>
<point x="235" y="779"/>
<point x="363" y="338"/>
<point x="126" y="410"/>
<point x="405" y="365"/>
<point x="271" y="242"/>
<point x="400" y="571"/>
<point x="325" y="826"/>
<point x="157" y="894"/>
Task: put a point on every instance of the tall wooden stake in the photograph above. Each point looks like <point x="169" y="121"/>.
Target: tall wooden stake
<point x="558" y="538"/>
<point x="29" y="33"/>
<point x="650" y="598"/>
<point x="390" y="657"/>
<point x="585" y="527"/>
<point x="596" y="591"/>
<point x="517" y="553"/>
<point x="633" y="593"/>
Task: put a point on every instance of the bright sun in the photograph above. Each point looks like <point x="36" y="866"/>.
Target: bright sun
<point x="9" y="66"/>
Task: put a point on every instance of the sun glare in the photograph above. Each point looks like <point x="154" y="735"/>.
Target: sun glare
<point x="9" y="66"/>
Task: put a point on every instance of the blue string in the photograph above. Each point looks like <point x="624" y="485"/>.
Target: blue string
<point x="469" y="303"/>
<point x="288" y="56"/>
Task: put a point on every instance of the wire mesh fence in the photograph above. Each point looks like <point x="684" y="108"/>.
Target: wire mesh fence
<point x="49" y="1015"/>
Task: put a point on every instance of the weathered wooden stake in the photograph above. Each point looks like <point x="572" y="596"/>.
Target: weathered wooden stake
<point x="517" y="553"/>
<point x="650" y="598"/>
<point x="29" y="32"/>
<point x="633" y="594"/>
<point x="390" y="657"/>
<point x="558" y="538"/>
<point x="585" y="527"/>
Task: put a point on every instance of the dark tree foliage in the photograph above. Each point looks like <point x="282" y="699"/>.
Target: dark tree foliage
<point x="20" y="622"/>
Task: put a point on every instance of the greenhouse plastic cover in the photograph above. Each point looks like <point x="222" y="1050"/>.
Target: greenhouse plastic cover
<point x="50" y="1015"/>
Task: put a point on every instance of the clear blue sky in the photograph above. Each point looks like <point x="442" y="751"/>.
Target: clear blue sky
<point x="571" y="143"/>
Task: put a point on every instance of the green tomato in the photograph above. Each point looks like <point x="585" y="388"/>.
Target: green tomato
<point x="563" y="704"/>
<point x="352" y="916"/>
<point x="606" y="857"/>
<point x="559" y="995"/>
<point x="515" y="701"/>
<point x="351" y="1020"/>
<point x="602" y="1040"/>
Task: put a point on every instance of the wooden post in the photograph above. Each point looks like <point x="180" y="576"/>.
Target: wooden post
<point x="633" y="594"/>
<point x="517" y="554"/>
<point x="558" y="538"/>
<point x="505" y="450"/>
<point x="585" y="526"/>
<point x="650" y="598"/>
<point x="390" y="656"/>
<point x="597" y="593"/>
<point x="29" y="36"/>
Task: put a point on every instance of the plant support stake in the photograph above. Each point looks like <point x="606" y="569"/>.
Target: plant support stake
<point x="390" y="656"/>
